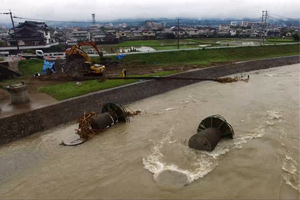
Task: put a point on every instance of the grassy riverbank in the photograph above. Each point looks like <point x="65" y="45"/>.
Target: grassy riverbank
<point x="207" y="56"/>
<point x="30" y="67"/>
<point x="150" y="64"/>
<point x="201" y="58"/>
<point x="72" y="89"/>
<point x="214" y="55"/>
<point x="168" y="44"/>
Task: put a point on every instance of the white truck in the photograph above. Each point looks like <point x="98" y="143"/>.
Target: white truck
<point x="38" y="54"/>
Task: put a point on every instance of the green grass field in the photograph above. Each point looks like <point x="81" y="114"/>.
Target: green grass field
<point x="280" y="40"/>
<point x="168" y="44"/>
<point x="207" y="56"/>
<point x="69" y="90"/>
<point x="31" y="66"/>
<point x="172" y="43"/>
<point x="27" y="68"/>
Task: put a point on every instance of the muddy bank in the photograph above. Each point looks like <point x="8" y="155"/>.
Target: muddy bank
<point x="21" y="125"/>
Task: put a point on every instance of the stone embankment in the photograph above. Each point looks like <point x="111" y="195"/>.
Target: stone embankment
<point x="21" y="125"/>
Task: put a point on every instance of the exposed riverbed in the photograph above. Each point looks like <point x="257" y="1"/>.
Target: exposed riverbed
<point x="262" y="161"/>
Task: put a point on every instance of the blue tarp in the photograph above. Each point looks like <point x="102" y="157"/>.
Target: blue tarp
<point x="121" y="56"/>
<point x="48" y="65"/>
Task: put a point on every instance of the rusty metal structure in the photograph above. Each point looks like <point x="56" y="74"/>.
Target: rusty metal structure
<point x="210" y="131"/>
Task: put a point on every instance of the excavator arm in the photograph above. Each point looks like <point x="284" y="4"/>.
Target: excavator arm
<point x="75" y="50"/>
<point x="75" y="53"/>
<point x="93" y="45"/>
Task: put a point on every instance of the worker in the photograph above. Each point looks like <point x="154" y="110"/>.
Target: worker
<point x="124" y="72"/>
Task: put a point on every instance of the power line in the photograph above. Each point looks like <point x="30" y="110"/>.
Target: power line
<point x="46" y="20"/>
<point x="284" y="16"/>
<point x="12" y="21"/>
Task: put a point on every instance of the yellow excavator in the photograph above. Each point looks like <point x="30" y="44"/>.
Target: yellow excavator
<point x="75" y="61"/>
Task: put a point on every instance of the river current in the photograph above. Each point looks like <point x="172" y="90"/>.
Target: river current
<point x="125" y="161"/>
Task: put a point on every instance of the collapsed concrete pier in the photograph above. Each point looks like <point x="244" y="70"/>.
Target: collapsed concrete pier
<point x="18" y="94"/>
<point x="68" y="110"/>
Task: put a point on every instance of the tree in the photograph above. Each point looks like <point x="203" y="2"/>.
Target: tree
<point x="57" y="48"/>
<point x="29" y="51"/>
<point x="296" y="36"/>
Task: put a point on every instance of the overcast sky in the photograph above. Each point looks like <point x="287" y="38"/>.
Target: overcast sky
<point x="115" y="9"/>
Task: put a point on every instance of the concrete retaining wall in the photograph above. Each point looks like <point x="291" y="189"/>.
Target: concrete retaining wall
<point x="21" y="125"/>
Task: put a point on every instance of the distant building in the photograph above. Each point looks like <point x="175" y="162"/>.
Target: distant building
<point x="156" y="25"/>
<point x="30" y="33"/>
<point x="81" y="36"/>
<point x="224" y="27"/>
<point x="233" y="32"/>
<point x="273" y="33"/>
<point x="138" y="34"/>
<point x="192" y="32"/>
<point x="233" y="23"/>
<point x="71" y="42"/>
<point x="165" y="34"/>
<point x="148" y="34"/>
<point x="225" y="33"/>
<point x="245" y="23"/>
<point x="178" y="31"/>
<point x="95" y="26"/>
<point x="109" y="25"/>
<point x="254" y="24"/>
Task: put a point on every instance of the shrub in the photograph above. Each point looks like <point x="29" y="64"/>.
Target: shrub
<point x="30" y="51"/>
<point x="296" y="36"/>
<point x="57" y="48"/>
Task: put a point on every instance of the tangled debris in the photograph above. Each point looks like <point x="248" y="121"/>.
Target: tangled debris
<point x="85" y="130"/>
<point x="84" y="126"/>
<point x="131" y="113"/>
<point x="231" y="80"/>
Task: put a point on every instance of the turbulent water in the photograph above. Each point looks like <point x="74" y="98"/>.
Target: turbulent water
<point x="149" y="157"/>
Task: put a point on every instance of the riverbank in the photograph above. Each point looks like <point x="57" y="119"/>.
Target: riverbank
<point x="262" y="156"/>
<point x="150" y="64"/>
<point x="65" y="111"/>
<point x="158" y="64"/>
<point x="172" y="44"/>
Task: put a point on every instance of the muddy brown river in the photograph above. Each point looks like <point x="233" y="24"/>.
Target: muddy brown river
<point x="125" y="161"/>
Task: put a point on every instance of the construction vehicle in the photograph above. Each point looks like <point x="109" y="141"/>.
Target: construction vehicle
<point x="79" y="61"/>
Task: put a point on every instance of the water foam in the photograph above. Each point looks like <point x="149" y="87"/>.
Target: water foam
<point x="274" y="114"/>
<point x="278" y="75"/>
<point x="196" y="165"/>
<point x="171" y="155"/>
<point x="289" y="165"/>
<point x="168" y="109"/>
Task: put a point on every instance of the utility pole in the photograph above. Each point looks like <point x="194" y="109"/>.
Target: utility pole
<point x="178" y="33"/>
<point x="12" y="21"/>
<point x="261" y="28"/>
<point x="264" y="23"/>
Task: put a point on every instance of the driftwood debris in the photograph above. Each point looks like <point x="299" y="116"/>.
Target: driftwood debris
<point x="85" y="130"/>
